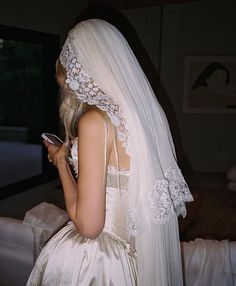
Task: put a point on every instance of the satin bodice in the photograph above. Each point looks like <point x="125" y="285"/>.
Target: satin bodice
<point x="116" y="203"/>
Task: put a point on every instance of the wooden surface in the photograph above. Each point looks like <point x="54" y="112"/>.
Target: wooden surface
<point x="211" y="216"/>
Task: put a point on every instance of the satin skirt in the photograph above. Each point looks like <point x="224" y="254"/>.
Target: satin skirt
<point x="69" y="259"/>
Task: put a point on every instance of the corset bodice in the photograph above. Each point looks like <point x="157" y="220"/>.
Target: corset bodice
<point x="116" y="202"/>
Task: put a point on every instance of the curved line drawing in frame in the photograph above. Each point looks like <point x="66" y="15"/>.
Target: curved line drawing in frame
<point x="210" y="84"/>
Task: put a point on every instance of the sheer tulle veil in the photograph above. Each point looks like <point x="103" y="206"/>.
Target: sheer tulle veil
<point x="98" y="58"/>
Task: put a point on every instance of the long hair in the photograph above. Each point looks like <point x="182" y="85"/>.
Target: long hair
<point x="70" y="108"/>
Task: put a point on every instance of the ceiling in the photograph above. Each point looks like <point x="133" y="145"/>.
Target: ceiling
<point x="129" y="4"/>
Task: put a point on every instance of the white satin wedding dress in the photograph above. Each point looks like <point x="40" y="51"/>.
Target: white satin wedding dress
<point x="109" y="260"/>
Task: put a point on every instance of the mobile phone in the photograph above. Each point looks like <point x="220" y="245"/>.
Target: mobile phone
<point x="52" y="138"/>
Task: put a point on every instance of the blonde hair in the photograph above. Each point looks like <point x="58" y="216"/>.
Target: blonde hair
<point x="70" y="111"/>
<point x="71" y="108"/>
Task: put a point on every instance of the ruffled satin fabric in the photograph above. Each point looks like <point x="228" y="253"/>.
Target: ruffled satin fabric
<point x="70" y="259"/>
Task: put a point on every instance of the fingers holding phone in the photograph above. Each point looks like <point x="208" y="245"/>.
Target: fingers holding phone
<point x="56" y="148"/>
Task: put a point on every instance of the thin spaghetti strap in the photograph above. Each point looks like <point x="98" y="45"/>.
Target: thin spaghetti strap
<point x="115" y="149"/>
<point x="106" y="136"/>
<point x="117" y="158"/>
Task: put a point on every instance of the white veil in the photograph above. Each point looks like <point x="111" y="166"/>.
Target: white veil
<point x="157" y="191"/>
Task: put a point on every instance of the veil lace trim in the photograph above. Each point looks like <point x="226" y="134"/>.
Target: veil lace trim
<point x="167" y="197"/>
<point x="88" y="91"/>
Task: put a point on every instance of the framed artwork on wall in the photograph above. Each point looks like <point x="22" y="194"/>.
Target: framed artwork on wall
<point x="209" y="84"/>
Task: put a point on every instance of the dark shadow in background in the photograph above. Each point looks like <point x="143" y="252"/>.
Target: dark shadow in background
<point x="48" y="112"/>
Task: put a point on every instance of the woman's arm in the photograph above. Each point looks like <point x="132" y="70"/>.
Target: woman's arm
<point x="85" y="201"/>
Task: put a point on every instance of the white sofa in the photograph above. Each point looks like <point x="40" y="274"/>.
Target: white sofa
<point x="16" y="252"/>
<point x="209" y="262"/>
<point x="21" y="241"/>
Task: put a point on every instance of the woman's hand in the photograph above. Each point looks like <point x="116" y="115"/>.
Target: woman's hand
<point x="56" y="154"/>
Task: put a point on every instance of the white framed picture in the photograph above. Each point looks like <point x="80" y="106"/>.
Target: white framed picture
<point x="209" y="84"/>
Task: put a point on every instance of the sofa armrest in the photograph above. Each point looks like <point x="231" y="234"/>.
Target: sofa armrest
<point x="45" y="219"/>
<point x="13" y="231"/>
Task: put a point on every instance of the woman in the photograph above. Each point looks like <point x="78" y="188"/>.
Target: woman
<point x="124" y="205"/>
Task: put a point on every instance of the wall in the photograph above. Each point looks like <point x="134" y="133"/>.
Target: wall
<point x="54" y="17"/>
<point x="201" y="28"/>
<point x="204" y="142"/>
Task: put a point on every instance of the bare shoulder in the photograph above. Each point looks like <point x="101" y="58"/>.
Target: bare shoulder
<point x="93" y="127"/>
<point x="91" y="120"/>
<point x="92" y="115"/>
